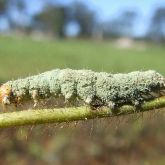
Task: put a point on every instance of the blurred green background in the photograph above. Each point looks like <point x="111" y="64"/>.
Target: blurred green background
<point x="42" y="35"/>
<point x="24" y="56"/>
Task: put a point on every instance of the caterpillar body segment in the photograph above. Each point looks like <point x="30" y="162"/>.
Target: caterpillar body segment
<point x="85" y="87"/>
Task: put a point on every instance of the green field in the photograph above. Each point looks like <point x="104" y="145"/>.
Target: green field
<point x="21" y="57"/>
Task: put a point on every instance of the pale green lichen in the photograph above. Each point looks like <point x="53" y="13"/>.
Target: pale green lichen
<point x="92" y="88"/>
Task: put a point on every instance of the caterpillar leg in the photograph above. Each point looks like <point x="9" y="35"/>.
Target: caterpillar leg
<point x="68" y="99"/>
<point x="137" y="105"/>
<point x="5" y="102"/>
<point x="112" y="105"/>
<point x="35" y="98"/>
<point x="94" y="102"/>
<point x="88" y="101"/>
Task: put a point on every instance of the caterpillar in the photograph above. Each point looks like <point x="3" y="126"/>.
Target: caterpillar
<point x="95" y="89"/>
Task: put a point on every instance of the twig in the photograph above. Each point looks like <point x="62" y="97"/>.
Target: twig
<point x="41" y="116"/>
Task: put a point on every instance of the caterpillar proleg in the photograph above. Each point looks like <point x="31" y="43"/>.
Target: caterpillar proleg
<point x="95" y="89"/>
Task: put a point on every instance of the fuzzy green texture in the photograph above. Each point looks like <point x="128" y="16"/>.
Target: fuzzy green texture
<point x="43" y="116"/>
<point x="93" y="88"/>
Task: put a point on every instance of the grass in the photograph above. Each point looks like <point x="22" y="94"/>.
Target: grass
<point x="21" y="57"/>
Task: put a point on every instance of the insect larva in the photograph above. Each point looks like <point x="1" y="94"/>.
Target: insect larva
<point x="92" y="88"/>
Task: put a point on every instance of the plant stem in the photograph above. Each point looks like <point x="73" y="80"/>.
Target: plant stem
<point x="59" y="115"/>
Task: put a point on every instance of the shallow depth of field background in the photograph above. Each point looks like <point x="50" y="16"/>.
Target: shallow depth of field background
<point x="36" y="36"/>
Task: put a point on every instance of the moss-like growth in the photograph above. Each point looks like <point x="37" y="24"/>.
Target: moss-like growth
<point x="92" y="88"/>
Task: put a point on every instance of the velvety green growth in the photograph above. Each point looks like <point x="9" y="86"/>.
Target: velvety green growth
<point x="92" y="88"/>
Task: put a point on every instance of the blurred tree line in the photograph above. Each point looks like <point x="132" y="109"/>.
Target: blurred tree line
<point x="56" y="19"/>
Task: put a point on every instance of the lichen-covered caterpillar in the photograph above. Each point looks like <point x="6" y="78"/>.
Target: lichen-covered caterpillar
<point x="85" y="86"/>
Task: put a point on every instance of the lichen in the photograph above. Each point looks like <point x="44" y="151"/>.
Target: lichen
<point x="92" y="88"/>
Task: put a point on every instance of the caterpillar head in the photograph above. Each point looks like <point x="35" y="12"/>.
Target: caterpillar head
<point x="5" y="93"/>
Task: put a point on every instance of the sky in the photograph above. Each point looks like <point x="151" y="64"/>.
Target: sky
<point x="109" y="9"/>
<point x="106" y="9"/>
<point x="145" y="8"/>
